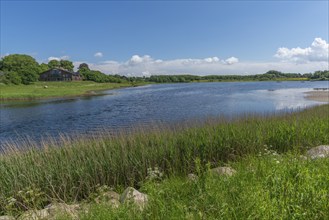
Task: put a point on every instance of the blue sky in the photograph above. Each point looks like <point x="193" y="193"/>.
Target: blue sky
<point x="170" y="37"/>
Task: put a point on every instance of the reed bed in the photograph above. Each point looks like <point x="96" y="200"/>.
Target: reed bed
<point x="70" y="169"/>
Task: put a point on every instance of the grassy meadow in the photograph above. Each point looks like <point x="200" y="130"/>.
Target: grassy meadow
<point x="71" y="170"/>
<point x="37" y="90"/>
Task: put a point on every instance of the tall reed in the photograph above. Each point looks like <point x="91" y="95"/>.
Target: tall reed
<point x="71" y="169"/>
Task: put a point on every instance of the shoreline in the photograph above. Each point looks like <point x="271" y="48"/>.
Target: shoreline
<point x="89" y="93"/>
<point x="320" y="96"/>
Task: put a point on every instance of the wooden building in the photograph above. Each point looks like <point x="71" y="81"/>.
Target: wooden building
<point x="57" y="74"/>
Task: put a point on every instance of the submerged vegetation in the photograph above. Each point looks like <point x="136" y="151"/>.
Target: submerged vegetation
<point x="71" y="170"/>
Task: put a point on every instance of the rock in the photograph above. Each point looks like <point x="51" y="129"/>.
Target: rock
<point x="65" y="209"/>
<point x="321" y="151"/>
<point x="192" y="177"/>
<point x="110" y="197"/>
<point x="223" y="171"/>
<point x="134" y="196"/>
<point x="7" y="217"/>
<point x="35" y="215"/>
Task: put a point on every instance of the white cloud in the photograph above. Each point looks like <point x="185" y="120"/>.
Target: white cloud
<point x="231" y="60"/>
<point x="59" y="58"/>
<point x="136" y="59"/>
<point x="146" y="65"/>
<point x="211" y="59"/>
<point x="296" y="60"/>
<point x="98" y="54"/>
<point x="318" y="51"/>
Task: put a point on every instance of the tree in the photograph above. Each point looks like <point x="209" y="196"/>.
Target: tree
<point x="43" y="67"/>
<point x="67" y="65"/>
<point x="54" y="64"/>
<point x="84" y="70"/>
<point x="20" y="65"/>
<point x="12" y="77"/>
<point x="83" y="66"/>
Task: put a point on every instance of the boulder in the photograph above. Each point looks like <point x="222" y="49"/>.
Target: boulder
<point x="112" y="198"/>
<point x="321" y="151"/>
<point x="223" y="171"/>
<point x="35" y="215"/>
<point x="131" y="195"/>
<point x="56" y="209"/>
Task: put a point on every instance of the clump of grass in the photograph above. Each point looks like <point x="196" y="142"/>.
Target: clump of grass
<point x="70" y="171"/>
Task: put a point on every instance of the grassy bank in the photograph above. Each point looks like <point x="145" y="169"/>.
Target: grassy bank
<point x="265" y="187"/>
<point x="54" y="89"/>
<point x="72" y="171"/>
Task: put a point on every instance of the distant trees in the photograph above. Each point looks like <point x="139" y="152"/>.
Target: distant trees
<point x="67" y="65"/>
<point x="19" y="68"/>
<point x="43" y="67"/>
<point x="320" y="75"/>
<point x="64" y="64"/>
<point x="53" y="64"/>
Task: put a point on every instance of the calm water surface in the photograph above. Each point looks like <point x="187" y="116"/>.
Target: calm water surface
<point x="125" y="108"/>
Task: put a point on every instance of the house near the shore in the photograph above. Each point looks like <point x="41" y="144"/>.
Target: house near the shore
<point x="58" y="74"/>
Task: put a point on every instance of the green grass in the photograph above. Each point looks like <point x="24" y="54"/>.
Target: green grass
<point x="55" y="89"/>
<point x="71" y="171"/>
<point x="261" y="189"/>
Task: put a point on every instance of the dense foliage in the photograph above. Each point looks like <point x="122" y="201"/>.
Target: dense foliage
<point x="20" y="68"/>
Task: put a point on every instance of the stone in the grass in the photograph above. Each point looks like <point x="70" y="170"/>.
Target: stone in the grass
<point x="131" y="195"/>
<point x="223" y="171"/>
<point x="321" y="151"/>
<point x="192" y="177"/>
<point x="35" y="215"/>
<point x="111" y="198"/>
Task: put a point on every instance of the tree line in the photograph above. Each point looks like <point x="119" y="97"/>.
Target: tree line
<point x="24" y="69"/>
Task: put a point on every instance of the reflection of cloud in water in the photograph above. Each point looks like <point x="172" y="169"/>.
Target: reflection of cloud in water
<point x="287" y="98"/>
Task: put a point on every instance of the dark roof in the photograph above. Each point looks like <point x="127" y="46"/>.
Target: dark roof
<point x="63" y="70"/>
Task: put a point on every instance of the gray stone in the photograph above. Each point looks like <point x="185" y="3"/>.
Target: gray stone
<point x="111" y="198"/>
<point x="134" y="196"/>
<point x="321" y="151"/>
<point x="7" y="217"/>
<point x="192" y="177"/>
<point x="223" y="171"/>
<point x="35" y="215"/>
<point x="56" y="209"/>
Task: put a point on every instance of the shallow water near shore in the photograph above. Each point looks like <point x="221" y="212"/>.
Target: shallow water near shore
<point x="160" y="103"/>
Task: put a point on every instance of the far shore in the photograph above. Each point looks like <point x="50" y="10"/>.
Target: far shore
<point x="320" y="96"/>
<point x="57" y="90"/>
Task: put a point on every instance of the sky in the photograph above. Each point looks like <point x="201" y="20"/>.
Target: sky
<point x="141" y="38"/>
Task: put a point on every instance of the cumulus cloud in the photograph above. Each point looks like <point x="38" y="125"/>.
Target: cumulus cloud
<point x="136" y="59"/>
<point x="211" y="59"/>
<point x="296" y="60"/>
<point x="146" y="65"/>
<point x="98" y="54"/>
<point x="231" y="60"/>
<point x="318" y="51"/>
<point x="59" y="58"/>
